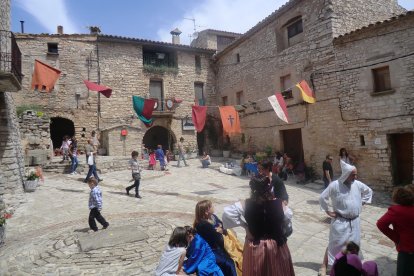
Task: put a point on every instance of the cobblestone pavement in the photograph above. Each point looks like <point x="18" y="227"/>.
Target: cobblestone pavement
<point x="44" y="236"/>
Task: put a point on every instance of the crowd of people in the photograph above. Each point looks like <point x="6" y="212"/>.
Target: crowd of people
<point x="210" y="247"/>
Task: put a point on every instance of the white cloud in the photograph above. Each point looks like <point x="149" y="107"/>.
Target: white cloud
<point x="226" y="15"/>
<point x="50" y="14"/>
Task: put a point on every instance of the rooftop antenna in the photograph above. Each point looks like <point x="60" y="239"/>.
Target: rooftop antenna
<point x="195" y="34"/>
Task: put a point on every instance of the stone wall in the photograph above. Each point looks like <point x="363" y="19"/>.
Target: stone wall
<point x="35" y="138"/>
<point x="375" y="116"/>
<point x="11" y="158"/>
<point x="121" y="68"/>
<point x="266" y="56"/>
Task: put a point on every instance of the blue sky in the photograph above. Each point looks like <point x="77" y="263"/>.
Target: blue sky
<point x="144" y="19"/>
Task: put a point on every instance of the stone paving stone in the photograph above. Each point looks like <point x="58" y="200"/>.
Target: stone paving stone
<point x="40" y="236"/>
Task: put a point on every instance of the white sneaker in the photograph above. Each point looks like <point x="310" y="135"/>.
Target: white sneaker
<point x="72" y="173"/>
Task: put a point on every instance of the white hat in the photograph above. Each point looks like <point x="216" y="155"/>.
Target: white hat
<point x="346" y="171"/>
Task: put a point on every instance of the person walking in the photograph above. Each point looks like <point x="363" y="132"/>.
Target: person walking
<point x="347" y="196"/>
<point x="73" y="153"/>
<point x="327" y="170"/>
<point x="91" y="160"/>
<point x="401" y="217"/>
<point x="95" y="205"/>
<point x="181" y="152"/>
<point x="159" y="155"/>
<point x="136" y="174"/>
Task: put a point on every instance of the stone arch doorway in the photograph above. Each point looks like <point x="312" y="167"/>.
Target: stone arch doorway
<point x="159" y="135"/>
<point x="60" y="127"/>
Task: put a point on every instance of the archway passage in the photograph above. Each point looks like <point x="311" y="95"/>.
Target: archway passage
<point x="158" y="135"/>
<point x="59" y="127"/>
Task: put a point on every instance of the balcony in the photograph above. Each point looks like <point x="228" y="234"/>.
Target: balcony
<point x="159" y="62"/>
<point x="10" y="63"/>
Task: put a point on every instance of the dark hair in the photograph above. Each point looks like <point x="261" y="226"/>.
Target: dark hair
<point x="341" y="150"/>
<point x="134" y="153"/>
<point x="352" y="248"/>
<point x="403" y="196"/>
<point x="328" y="156"/>
<point x="267" y="165"/>
<point x="93" y="180"/>
<point x="93" y="132"/>
<point x="159" y="146"/>
<point x="260" y="188"/>
<point x="190" y="230"/>
<point x="182" y="139"/>
<point x="178" y="237"/>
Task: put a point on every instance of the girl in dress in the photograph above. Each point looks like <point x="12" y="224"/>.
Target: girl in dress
<point x="152" y="161"/>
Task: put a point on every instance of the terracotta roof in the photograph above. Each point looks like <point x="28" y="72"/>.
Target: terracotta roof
<point x="153" y="43"/>
<point x="148" y="42"/>
<point x="269" y="19"/>
<point x="391" y="19"/>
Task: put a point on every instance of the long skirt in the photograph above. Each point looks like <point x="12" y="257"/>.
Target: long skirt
<point x="265" y="258"/>
<point x="235" y="250"/>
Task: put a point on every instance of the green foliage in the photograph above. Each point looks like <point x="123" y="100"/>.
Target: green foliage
<point x="268" y="150"/>
<point x="32" y="176"/>
<point x="22" y="108"/>
<point x="260" y="156"/>
<point x="160" y="69"/>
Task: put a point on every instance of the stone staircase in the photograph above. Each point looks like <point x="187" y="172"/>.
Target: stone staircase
<point x="104" y="164"/>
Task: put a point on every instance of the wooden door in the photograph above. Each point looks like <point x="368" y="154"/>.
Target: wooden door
<point x="402" y="158"/>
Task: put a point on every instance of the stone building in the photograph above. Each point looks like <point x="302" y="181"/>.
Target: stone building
<point x="176" y="75"/>
<point x="214" y="39"/>
<point x="11" y="159"/>
<point x="309" y="40"/>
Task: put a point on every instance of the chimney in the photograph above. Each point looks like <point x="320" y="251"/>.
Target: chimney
<point x="94" y="30"/>
<point x="60" y="30"/>
<point x="175" y="36"/>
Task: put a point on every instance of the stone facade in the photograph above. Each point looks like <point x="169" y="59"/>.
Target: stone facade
<point x="11" y="159"/>
<point x="118" y="63"/>
<point x="258" y="62"/>
<point x="214" y="39"/>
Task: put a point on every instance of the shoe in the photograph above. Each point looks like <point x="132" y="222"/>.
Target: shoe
<point x="127" y="191"/>
<point x="138" y="196"/>
<point x="100" y="179"/>
<point x="106" y="226"/>
<point x="72" y="173"/>
<point x="187" y="165"/>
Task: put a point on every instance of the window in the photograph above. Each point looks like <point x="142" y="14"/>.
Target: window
<point x="239" y="98"/>
<point x="224" y="100"/>
<point x="52" y="48"/>
<point x="295" y="28"/>
<point x="237" y="57"/>
<point x="382" y="80"/>
<point x="156" y="93"/>
<point x="198" y="63"/>
<point x="199" y="93"/>
<point x="286" y="87"/>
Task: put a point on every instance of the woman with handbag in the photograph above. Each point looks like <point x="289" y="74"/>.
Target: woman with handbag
<point x="136" y="174"/>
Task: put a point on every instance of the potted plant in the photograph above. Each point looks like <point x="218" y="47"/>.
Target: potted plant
<point x="31" y="182"/>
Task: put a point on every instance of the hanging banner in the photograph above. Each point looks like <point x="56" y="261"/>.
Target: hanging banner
<point x="230" y="119"/>
<point x="199" y="114"/>
<point x="279" y="106"/>
<point x="307" y="93"/>
<point x="44" y="76"/>
<point x="106" y="91"/>
<point x="144" y="108"/>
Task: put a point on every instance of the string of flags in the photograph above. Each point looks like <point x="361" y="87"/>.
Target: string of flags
<point x="45" y="77"/>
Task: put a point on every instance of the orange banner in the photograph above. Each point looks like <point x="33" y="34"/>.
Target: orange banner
<point x="230" y="119"/>
<point x="44" y="76"/>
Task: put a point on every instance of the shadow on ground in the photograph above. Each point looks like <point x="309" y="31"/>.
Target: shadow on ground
<point x="310" y="265"/>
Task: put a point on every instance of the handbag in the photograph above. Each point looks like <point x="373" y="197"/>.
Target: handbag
<point x="90" y="160"/>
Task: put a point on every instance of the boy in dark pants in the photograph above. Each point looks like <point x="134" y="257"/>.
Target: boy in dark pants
<point x="136" y="173"/>
<point x="95" y="205"/>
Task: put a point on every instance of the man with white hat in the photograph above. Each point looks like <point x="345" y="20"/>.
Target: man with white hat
<point x="347" y="196"/>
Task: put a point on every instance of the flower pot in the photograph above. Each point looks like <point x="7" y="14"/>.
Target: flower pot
<point x="2" y="234"/>
<point x="30" y="185"/>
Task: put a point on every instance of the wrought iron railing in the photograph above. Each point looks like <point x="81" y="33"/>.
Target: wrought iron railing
<point x="10" y="55"/>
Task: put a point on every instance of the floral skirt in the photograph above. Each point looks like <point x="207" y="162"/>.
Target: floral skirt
<point x="265" y="258"/>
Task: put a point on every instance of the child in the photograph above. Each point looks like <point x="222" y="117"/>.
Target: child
<point x="200" y="257"/>
<point x="152" y="160"/>
<point x="95" y="205"/>
<point x="73" y="153"/>
<point x="347" y="263"/>
<point x="65" y="148"/>
<point x="173" y="254"/>
<point x="136" y="173"/>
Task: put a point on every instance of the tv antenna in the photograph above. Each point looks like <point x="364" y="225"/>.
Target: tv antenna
<point x="195" y="33"/>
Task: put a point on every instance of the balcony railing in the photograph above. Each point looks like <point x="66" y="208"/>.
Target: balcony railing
<point x="10" y="55"/>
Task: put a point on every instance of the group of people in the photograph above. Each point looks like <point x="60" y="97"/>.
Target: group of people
<point x="210" y="247"/>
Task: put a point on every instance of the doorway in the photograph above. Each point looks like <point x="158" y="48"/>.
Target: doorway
<point x="59" y="127"/>
<point x="159" y="135"/>
<point x="292" y="144"/>
<point x="201" y="142"/>
<point x="401" y="158"/>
